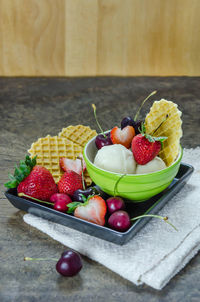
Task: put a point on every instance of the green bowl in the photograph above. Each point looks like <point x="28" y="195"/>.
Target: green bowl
<point x="135" y="187"/>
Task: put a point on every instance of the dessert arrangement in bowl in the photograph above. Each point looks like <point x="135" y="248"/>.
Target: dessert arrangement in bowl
<point x="86" y="180"/>
<point x="147" y="153"/>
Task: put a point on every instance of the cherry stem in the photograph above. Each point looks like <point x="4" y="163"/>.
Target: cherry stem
<point x="116" y="184"/>
<point x="24" y="195"/>
<point x="166" y="117"/>
<point x="102" y="132"/>
<point x="82" y="175"/>
<point x="165" y="219"/>
<point x="38" y="259"/>
<point x="137" y="113"/>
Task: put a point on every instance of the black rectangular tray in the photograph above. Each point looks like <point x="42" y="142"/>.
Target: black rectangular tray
<point x="150" y="206"/>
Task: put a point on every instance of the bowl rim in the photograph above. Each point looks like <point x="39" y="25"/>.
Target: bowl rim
<point x="160" y="172"/>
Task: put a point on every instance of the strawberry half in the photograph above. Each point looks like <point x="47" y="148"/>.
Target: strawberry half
<point x="146" y="147"/>
<point x="67" y="164"/>
<point x="122" y="136"/>
<point x="70" y="182"/>
<point x="93" y="210"/>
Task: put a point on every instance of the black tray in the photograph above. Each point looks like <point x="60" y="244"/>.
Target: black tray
<point x="151" y="206"/>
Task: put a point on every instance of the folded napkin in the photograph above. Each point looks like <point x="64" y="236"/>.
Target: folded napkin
<point x="157" y="252"/>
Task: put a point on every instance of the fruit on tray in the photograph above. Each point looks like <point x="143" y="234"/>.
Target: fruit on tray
<point x="78" y="194"/>
<point x="115" y="158"/>
<point x="75" y="165"/>
<point x="70" y="182"/>
<point x="33" y="180"/>
<point x="114" y="204"/>
<point x="171" y="128"/>
<point x="60" y="201"/>
<point x="120" y="221"/>
<point x="92" y="210"/>
<point x="38" y="184"/>
<point x="122" y="136"/>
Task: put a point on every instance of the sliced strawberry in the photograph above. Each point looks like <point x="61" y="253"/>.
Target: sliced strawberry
<point x="67" y="164"/>
<point x="94" y="210"/>
<point x="122" y="136"/>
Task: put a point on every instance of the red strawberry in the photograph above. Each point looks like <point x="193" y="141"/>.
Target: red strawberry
<point x="144" y="150"/>
<point x="70" y="182"/>
<point x="93" y="211"/>
<point x="67" y="164"/>
<point x="38" y="184"/>
<point x="122" y="136"/>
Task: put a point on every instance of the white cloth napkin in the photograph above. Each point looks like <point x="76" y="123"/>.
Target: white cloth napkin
<point x="157" y="252"/>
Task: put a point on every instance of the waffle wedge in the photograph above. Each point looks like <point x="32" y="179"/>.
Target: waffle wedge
<point x="78" y="134"/>
<point x="50" y="149"/>
<point x="171" y="128"/>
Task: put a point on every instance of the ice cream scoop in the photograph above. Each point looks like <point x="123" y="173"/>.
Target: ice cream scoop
<point x="115" y="158"/>
<point x="154" y="165"/>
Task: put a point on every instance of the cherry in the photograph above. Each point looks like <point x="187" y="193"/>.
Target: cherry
<point x="60" y="197"/>
<point x="77" y="196"/>
<point x="119" y="221"/>
<point x="60" y="206"/>
<point x="114" y="204"/>
<point x="137" y="126"/>
<point x="103" y="140"/>
<point x="69" y="264"/>
<point x="127" y="121"/>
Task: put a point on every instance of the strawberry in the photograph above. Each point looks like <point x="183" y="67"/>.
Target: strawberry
<point x="145" y="147"/>
<point x="74" y="165"/>
<point x="34" y="181"/>
<point x="70" y="182"/>
<point x="93" y="210"/>
<point x="38" y="184"/>
<point x="122" y="136"/>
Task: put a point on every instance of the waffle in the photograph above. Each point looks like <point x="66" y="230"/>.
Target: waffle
<point x="171" y="128"/>
<point x="79" y="134"/>
<point x="50" y="149"/>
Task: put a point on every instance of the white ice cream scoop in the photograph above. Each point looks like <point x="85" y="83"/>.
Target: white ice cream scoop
<point x="115" y="158"/>
<point x="154" y="165"/>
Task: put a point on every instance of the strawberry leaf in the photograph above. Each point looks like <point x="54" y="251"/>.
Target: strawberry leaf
<point x="160" y="139"/>
<point x="72" y="206"/>
<point x="21" y="172"/>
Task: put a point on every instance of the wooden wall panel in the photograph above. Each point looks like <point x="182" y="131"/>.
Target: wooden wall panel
<point x="99" y="37"/>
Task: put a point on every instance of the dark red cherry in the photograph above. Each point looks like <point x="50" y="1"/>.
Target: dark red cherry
<point x="127" y="121"/>
<point x="114" y="204"/>
<point x="77" y="196"/>
<point x="69" y="264"/>
<point x="102" y="141"/>
<point x="119" y="221"/>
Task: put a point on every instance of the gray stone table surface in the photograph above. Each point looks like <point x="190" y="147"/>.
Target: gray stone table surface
<point x="34" y="107"/>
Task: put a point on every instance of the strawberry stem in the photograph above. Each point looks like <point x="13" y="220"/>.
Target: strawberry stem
<point x="165" y="219"/>
<point x="95" y="115"/>
<point x="137" y="113"/>
<point x="24" y="195"/>
<point x="116" y="184"/>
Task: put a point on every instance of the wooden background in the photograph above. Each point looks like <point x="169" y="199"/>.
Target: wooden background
<point x="99" y="37"/>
